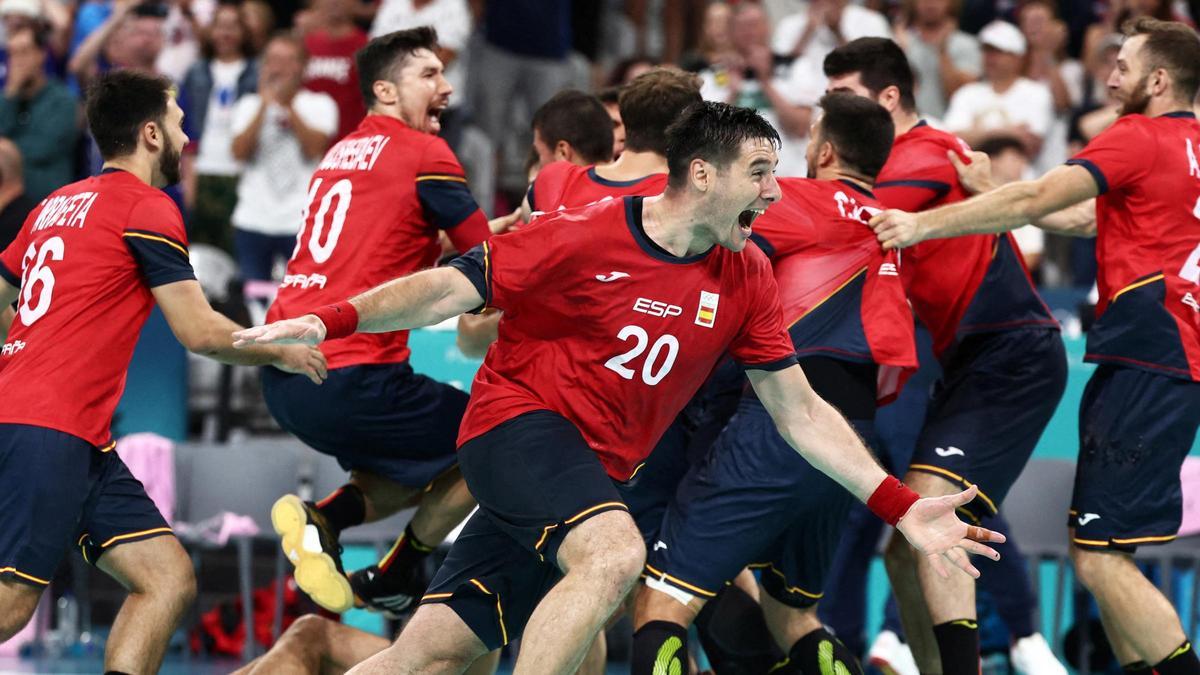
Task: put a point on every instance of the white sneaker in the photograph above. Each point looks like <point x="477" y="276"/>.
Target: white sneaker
<point x="1033" y="656"/>
<point x="891" y="655"/>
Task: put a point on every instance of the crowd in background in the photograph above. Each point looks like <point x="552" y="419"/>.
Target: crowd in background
<point x="268" y="85"/>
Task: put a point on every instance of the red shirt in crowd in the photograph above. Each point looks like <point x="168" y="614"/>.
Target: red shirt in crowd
<point x="331" y="70"/>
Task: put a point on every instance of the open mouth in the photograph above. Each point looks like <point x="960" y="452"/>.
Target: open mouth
<point x="434" y="114"/>
<point x="746" y="219"/>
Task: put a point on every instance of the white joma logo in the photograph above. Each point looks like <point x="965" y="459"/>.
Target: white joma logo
<point x="659" y="544"/>
<point x="949" y="452"/>
<point x="612" y="276"/>
<point x="1087" y="518"/>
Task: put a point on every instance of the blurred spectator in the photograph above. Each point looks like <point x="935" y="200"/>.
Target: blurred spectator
<point x="716" y="44"/>
<point x="1009" y="165"/>
<point x="131" y="37"/>
<point x="1097" y="108"/>
<point x="259" y="20"/>
<point x="611" y="98"/>
<point x="756" y="78"/>
<point x="1117" y="13"/>
<point x="825" y="25"/>
<point x="943" y="58"/>
<point x="331" y="38"/>
<point x="627" y="69"/>
<point x="280" y="135"/>
<point x="181" y="41"/>
<point x="45" y="15"/>
<point x="1004" y="103"/>
<point x="210" y="89"/>
<point x="15" y="203"/>
<point x="1047" y="62"/>
<point x="39" y="114"/>
<point x="565" y="128"/>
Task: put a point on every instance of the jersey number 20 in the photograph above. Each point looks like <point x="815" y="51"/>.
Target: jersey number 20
<point x="321" y="250"/>
<point x="38" y="274"/>
<point x="651" y="374"/>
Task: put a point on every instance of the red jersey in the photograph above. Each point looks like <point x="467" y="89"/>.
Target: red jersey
<point x="842" y="296"/>
<point x="375" y="206"/>
<point x="1148" y="243"/>
<point x="563" y="185"/>
<point x="607" y="329"/>
<point x="963" y="285"/>
<point x="331" y="70"/>
<point x="85" y="262"/>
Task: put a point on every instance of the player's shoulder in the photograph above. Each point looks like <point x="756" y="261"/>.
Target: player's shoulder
<point x="560" y="171"/>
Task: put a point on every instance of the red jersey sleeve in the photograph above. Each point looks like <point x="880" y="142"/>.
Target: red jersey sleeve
<point x="930" y="177"/>
<point x="1113" y="158"/>
<point x="10" y="260"/>
<point x="445" y="198"/>
<point x="156" y="238"/>
<point x="764" y="343"/>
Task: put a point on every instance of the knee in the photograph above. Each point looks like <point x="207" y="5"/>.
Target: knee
<point x="309" y="632"/>
<point x="173" y="583"/>
<point x="618" y="555"/>
<point x="1093" y="567"/>
<point x="14" y="616"/>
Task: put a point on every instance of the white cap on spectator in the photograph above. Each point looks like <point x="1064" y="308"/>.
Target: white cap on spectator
<point x="29" y="8"/>
<point x="1001" y="35"/>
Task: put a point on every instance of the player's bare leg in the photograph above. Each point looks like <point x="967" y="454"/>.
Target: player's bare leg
<point x="788" y="624"/>
<point x="601" y="559"/>
<point x="314" y="644"/>
<point x="803" y="638"/>
<point x="596" y="658"/>
<point x="1134" y="610"/>
<point x="660" y="623"/>
<point x="382" y="496"/>
<point x="435" y="641"/>
<point x="900" y="561"/>
<point x="447" y="503"/>
<point x="17" y="602"/>
<point x="162" y="585"/>
<point x="1121" y="646"/>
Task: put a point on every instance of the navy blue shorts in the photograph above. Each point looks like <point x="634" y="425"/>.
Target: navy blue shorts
<point x="997" y="394"/>
<point x="57" y="490"/>
<point x="258" y="253"/>
<point x="535" y="478"/>
<point x="379" y="418"/>
<point x="1135" y="429"/>
<point x="754" y="501"/>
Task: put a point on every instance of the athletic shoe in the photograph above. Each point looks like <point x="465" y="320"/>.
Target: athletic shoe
<point x="314" y="551"/>
<point x="891" y="655"/>
<point x="1033" y="656"/>
<point x="393" y="593"/>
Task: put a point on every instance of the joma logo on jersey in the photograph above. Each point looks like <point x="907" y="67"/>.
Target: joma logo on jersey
<point x="303" y="280"/>
<point x="706" y="312"/>
<point x="888" y="270"/>
<point x="656" y="308"/>
<point x="12" y="348"/>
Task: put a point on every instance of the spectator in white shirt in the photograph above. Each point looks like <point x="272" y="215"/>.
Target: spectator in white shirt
<point x="280" y="134"/>
<point x="943" y="58"/>
<point x="1004" y="103"/>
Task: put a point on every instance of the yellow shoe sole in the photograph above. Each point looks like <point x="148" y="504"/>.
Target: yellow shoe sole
<point x="316" y="572"/>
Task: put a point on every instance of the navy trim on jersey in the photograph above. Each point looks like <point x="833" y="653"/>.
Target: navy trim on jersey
<point x="445" y="203"/>
<point x="633" y="217"/>
<point x="1185" y="114"/>
<point x="8" y="276"/>
<point x="529" y="196"/>
<point x="937" y="186"/>
<point x="591" y="173"/>
<point x="473" y="264"/>
<point x="772" y="366"/>
<point x="762" y="242"/>
<point x="919" y="124"/>
<point x="161" y="259"/>
<point x="856" y="187"/>
<point x="1097" y="174"/>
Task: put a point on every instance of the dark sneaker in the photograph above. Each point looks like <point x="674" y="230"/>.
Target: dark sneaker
<point x="393" y="593"/>
<point x="314" y="551"/>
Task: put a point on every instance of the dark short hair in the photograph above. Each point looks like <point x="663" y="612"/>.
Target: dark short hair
<point x="1172" y="46"/>
<point x="119" y="103"/>
<point x="651" y="102"/>
<point x="609" y="95"/>
<point x="579" y="119"/>
<point x="383" y="56"/>
<point x="996" y="145"/>
<point x="879" y="62"/>
<point x="860" y="130"/>
<point x="713" y="132"/>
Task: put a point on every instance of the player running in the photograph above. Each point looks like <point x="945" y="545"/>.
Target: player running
<point x="753" y="500"/>
<point x="86" y="269"/>
<point x="1140" y="410"/>
<point x="601" y="304"/>
<point x="375" y="207"/>
<point x="1003" y="361"/>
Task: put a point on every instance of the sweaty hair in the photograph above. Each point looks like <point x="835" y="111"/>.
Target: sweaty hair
<point x="382" y="57"/>
<point x="119" y="103"/>
<point x="860" y="130"/>
<point x="713" y="132"/>
<point x="651" y="102"/>
<point x="1172" y="46"/>
<point x="579" y="119"/>
<point x="879" y="62"/>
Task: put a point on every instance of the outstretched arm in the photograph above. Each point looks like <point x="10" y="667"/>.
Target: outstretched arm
<point x="420" y="299"/>
<point x="818" y="432"/>
<point x="1074" y="221"/>
<point x="1000" y="210"/>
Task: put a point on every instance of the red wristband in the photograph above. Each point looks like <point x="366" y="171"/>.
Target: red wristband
<point x="340" y="320"/>
<point x="891" y="500"/>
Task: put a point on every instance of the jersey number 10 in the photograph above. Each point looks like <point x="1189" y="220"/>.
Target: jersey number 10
<point x="319" y="250"/>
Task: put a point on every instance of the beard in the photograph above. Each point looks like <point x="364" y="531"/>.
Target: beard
<point x="1137" y="101"/>
<point x="168" y="163"/>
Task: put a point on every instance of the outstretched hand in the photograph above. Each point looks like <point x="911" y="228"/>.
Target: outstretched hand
<point x="303" y="330"/>
<point x="896" y="229"/>
<point x="934" y="530"/>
